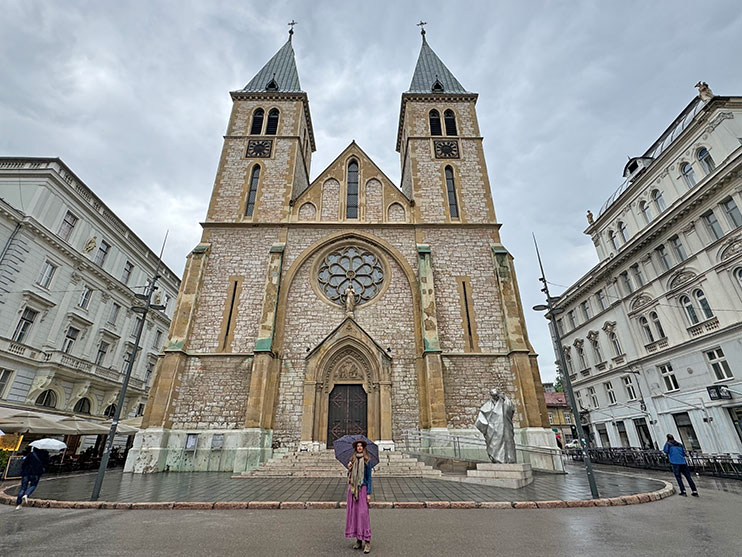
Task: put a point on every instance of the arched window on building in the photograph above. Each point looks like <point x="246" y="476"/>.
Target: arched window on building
<point x="435" y="122"/>
<point x="647" y="330"/>
<point x="581" y="357"/>
<point x="704" y="157"/>
<point x="738" y="274"/>
<point x="453" y="204"/>
<point x="657" y="325"/>
<point x="253" y="191"/>
<point x="272" y="126"/>
<point x="449" y="119"/>
<point x="689" y="175"/>
<point x="351" y="206"/>
<point x="109" y="411"/>
<point x="257" y="121"/>
<point x="47" y="399"/>
<point x="704" y="304"/>
<point x="646" y="211"/>
<point x="659" y="203"/>
<point x="612" y="240"/>
<point x="568" y="360"/>
<point x="690" y="310"/>
<point x="622" y="232"/>
<point x="82" y="406"/>
<point x="596" y="350"/>
<point x="616" y="344"/>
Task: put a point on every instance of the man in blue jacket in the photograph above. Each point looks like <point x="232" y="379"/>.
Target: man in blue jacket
<point x="33" y="466"/>
<point x="676" y="454"/>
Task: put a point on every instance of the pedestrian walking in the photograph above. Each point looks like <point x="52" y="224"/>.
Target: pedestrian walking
<point x="357" y="522"/>
<point x="676" y="454"/>
<point x="32" y="468"/>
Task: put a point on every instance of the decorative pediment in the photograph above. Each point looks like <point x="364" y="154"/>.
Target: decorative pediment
<point x="681" y="277"/>
<point x="731" y="248"/>
<point x="578" y="343"/>
<point x="640" y="301"/>
<point x="592" y="336"/>
<point x="609" y="326"/>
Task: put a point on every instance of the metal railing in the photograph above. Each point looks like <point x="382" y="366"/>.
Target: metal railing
<point x="450" y="446"/>
<point x="720" y="465"/>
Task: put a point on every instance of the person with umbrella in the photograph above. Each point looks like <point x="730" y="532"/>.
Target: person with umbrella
<point x="360" y="455"/>
<point x="32" y="468"/>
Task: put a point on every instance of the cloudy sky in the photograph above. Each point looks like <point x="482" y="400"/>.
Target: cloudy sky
<point x="133" y="96"/>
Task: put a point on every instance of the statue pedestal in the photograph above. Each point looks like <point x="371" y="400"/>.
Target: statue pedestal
<point x="513" y="476"/>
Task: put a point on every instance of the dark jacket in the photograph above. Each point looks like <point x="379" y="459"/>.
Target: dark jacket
<point x="675" y="452"/>
<point x="34" y="463"/>
<point x="367" y="480"/>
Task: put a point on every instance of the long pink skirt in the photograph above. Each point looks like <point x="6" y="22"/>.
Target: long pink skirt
<point x="357" y="522"/>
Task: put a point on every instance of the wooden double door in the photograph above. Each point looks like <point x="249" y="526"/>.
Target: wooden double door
<point x="347" y="412"/>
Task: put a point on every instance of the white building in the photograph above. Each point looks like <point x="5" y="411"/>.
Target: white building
<point x="659" y="319"/>
<point x="69" y="272"/>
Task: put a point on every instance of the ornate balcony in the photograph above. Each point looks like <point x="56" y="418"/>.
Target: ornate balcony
<point x="660" y="344"/>
<point x="704" y="327"/>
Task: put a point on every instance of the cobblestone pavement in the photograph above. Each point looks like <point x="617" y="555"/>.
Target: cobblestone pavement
<point x="213" y="486"/>
<point x="676" y="526"/>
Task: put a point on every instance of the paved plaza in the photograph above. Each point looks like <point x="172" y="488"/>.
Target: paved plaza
<point x="674" y="526"/>
<point x="212" y="486"/>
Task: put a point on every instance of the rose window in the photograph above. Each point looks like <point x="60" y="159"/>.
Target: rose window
<point x="350" y="266"/>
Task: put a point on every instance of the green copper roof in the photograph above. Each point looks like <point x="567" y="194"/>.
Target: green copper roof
<point x="278" y="75"/>
<point x="432" y="75"/>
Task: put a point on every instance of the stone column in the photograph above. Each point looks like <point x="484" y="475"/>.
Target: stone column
<point x="433" y="365"/>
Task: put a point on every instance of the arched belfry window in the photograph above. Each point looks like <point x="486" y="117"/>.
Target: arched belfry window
<point x="272" y="126"/>
<point x="453" y="205"/>
<point x="435" y="123"/>
<point x="351" y="206"/>
<point x="253" y="191"/>
<point x="450" y="120"/>
<point x="257" y="121"/>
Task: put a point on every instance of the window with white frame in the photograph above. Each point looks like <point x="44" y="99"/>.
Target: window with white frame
<point x="626" y="282"/>
<point x="622" y="232"/>
<point x="586" y="311"/>
<point x="628" y="385"/>
<point x="114" y="315"/>
<point x="646" y="211"/>
<point x="581" y="357"/>
<point x="67" y="226"/>
<point x="719" y="364"/>
<point x="551" y="418"/>
<point x="69" y="339"/>
<point x="24" y="325"/>
<point x="567" y="418"/>
<point x="616" y="344"/>
<point x="126" y="272"/>
<point x="157" y="342"/>
<point x="638" y="274"/>
<point x="648" y="336"/>
<point x="85" y="296"/>
<point x="135" y="327"/>
<point x="571" y="317"/>
<point x="608" y="386"/>
<point x="103" y="249"/>
<point x="712" y="225"/>
<point x="677" y="246"/>
<point x="128" y="353"/>
<point x="150" y="370"/>
<point x="578" y="396"/>
<point x="668" y="376"/>
<point x="100" y="357"/>
<point x="5" y="375"/>
<point x="663" y="257"/>
<point x="733" y="215"/>
<point x="600" y="295"/>
<point x="568" y="359"/>
<point x="596" y="350"/>
<point x="593" y="397"/>
<point x="47" y="273"/>
<point x="707" y="163"/>
<point x="560" y="325"/>
<point x="612" y="240"/>
<point x="659" y="203"/>
<point x="690" y="310"/>
<point x="703" y="304"/>
<point x="655" y="319"/>
<point x="689" y="175"/>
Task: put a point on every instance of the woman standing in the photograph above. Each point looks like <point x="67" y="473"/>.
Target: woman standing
<point x="357" y="523"/>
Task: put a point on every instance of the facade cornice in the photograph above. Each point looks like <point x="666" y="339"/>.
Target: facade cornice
<point x="351" y="225"/>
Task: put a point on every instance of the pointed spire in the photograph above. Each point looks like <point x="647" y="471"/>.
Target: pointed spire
<point x="431" y="74"/>
<point x="279" y="74"/>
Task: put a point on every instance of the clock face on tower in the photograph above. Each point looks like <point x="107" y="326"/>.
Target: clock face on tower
<point x="446" y="149"/>
<point x="259" y="148"/>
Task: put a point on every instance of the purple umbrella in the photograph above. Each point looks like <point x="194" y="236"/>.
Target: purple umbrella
<point x="345" y="447"/>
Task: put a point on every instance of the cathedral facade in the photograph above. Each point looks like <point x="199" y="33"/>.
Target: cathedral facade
<point x="345" y="304"/>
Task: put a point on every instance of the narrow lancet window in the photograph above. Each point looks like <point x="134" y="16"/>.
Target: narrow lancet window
<point x="450" y="120"/>
<point x="253" y="192"/>
<point x="435" y="123"/>
<point x="351" y="208"/>
<point x="272" y="126"/>
<point x="453" y="205"/>
<point x="257" y="121"/>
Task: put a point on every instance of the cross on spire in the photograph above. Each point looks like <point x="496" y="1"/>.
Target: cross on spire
<point x="291" y="25"/>
<point x="422" y="25"/>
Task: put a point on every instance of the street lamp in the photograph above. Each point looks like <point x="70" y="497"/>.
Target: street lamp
<point x="551" y="311"/>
